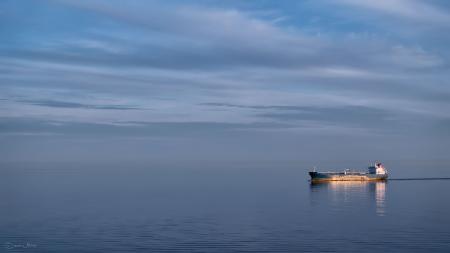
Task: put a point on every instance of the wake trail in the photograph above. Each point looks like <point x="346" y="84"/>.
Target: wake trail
<point x="419" y="178"/>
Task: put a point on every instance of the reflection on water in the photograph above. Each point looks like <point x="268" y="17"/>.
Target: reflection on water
<point x="341" y="192"/>
<point x="380" y="193"/>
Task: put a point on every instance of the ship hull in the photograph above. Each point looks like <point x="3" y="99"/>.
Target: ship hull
<point x="354" y="176"/>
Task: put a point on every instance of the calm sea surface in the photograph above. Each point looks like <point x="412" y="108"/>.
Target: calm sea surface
<point x="199" y="210"/>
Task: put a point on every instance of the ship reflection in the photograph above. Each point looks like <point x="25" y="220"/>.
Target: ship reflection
<point x="351" y="191"/>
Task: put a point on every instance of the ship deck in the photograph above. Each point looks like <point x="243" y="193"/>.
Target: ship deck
<point x="331" y="173"/>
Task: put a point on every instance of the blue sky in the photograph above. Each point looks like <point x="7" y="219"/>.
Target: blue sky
<point x="244" y="82"/>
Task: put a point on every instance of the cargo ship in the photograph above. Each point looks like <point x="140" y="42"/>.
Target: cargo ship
<point x="375" y="172"/>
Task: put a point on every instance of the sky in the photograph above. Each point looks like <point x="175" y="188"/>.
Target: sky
<point x="224" y="83"/>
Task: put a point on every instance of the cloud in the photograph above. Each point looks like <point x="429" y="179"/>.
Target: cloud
<point x="343" y="116"/>
<point x="125" y="129"/>
<point x="192" y="38"/>
<point x="215" y="72"/>
<point x="259" y="107"/>
<point x="64" y="104"/>
<point x="408" y="9"/>
<point x="337" y="115"/>
<point x="192" y="54"/>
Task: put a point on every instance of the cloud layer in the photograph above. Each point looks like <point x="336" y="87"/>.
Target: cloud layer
<point x="217" y="70"/>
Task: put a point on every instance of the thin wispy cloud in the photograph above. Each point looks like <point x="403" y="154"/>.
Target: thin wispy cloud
<point x="65" y="104"/>
<point x="408" y="9"/>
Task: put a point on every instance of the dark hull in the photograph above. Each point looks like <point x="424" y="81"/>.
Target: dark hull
<point x="342" y="176"/>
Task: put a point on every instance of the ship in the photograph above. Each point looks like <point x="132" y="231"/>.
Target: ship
<point x="375" y="172"/>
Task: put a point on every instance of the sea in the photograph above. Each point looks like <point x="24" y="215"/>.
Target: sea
<point x="146" y="209"/>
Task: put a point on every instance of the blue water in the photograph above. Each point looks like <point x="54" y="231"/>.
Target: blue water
<point x="212" y="210"/>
